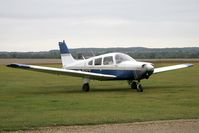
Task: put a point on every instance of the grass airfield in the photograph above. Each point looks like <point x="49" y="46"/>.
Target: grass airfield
<point x="31" y="99"/>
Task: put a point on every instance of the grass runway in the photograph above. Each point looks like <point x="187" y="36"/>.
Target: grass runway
<point x="31" y="99"/>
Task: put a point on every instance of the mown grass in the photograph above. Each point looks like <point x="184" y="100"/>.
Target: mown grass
<point x="32" y="99"/>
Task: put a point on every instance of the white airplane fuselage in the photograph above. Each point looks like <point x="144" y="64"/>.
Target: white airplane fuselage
<point x="126" y="69"/>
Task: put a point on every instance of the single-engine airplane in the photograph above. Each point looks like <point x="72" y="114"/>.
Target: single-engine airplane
<point x="111" y="66"/>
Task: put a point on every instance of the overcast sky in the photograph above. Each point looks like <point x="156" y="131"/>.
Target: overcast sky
<point x="38" y="25"/>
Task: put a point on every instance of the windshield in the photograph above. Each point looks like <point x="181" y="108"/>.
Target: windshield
<point x="122" y="57"/>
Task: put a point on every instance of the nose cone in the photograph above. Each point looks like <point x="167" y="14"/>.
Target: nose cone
<point x="148" y="68"/>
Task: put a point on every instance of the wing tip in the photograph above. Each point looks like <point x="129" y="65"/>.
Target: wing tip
<point x="189" y="65"/>
<point x="15" y="65"/>
<point x="12" y="65"/>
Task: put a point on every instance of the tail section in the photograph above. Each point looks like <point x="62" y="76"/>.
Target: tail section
<point x="66" y="56"/>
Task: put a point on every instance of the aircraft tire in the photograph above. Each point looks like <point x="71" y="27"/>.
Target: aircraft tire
<point x="133" y="85"/>
<point x="139" y="88"/>
<point x="86" y="87"/>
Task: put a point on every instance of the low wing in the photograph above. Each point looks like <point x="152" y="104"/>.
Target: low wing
<point x="61" y="71"/>
<point x="169" y="68"/>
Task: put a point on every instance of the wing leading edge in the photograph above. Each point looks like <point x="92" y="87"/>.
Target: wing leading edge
<point x="169" y="68"/>
<point x="61" y="71"/>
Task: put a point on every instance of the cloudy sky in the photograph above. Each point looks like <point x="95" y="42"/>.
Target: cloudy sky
<point x="38" y="25"/>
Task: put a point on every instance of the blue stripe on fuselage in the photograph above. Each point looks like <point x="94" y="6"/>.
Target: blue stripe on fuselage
<point x="121" y="74"/>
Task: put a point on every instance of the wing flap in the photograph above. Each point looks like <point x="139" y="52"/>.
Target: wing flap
<point x="61" y="71"/>
<point x="169" y="68"/>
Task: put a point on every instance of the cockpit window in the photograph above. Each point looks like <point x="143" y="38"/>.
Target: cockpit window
<point x="122" y="57"/>
<point x="98" y="61"/>
<point x="108" y="60"/>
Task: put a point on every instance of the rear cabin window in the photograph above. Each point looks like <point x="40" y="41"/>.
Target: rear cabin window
<point x="98" y="61"/>
<point x="108" y="60"/>
<point x="90" y="63"/>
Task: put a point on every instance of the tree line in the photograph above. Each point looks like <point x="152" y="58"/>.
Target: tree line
<point x="135" y="52"/>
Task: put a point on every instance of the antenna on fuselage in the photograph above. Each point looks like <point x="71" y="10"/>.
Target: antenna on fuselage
<point x="83" y="57"/>
<point x="93" y="54"/>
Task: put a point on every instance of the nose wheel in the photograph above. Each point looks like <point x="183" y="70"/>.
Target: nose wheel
<point x="136" y="85"/>
<point x="139" y="88"/>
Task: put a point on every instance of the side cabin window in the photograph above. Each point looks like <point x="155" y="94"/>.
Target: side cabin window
<point x="90" y="63"/>
<point x="108" y="60"/>
<point x="98" y="61"/>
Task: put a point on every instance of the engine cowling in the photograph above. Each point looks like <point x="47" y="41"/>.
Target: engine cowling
<point x="147" y="70"/>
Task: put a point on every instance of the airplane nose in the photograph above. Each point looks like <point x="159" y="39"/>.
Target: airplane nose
<point x="149" y="68"/>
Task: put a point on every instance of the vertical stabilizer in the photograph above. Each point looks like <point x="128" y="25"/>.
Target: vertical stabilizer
<point x="66" y="56"/>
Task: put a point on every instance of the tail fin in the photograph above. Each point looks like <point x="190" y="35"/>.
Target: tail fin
<point x="66" y="56"/>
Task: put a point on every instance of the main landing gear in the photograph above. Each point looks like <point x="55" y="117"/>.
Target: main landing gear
<point x="136" y="85"/>
<point x="86" y="86"/>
